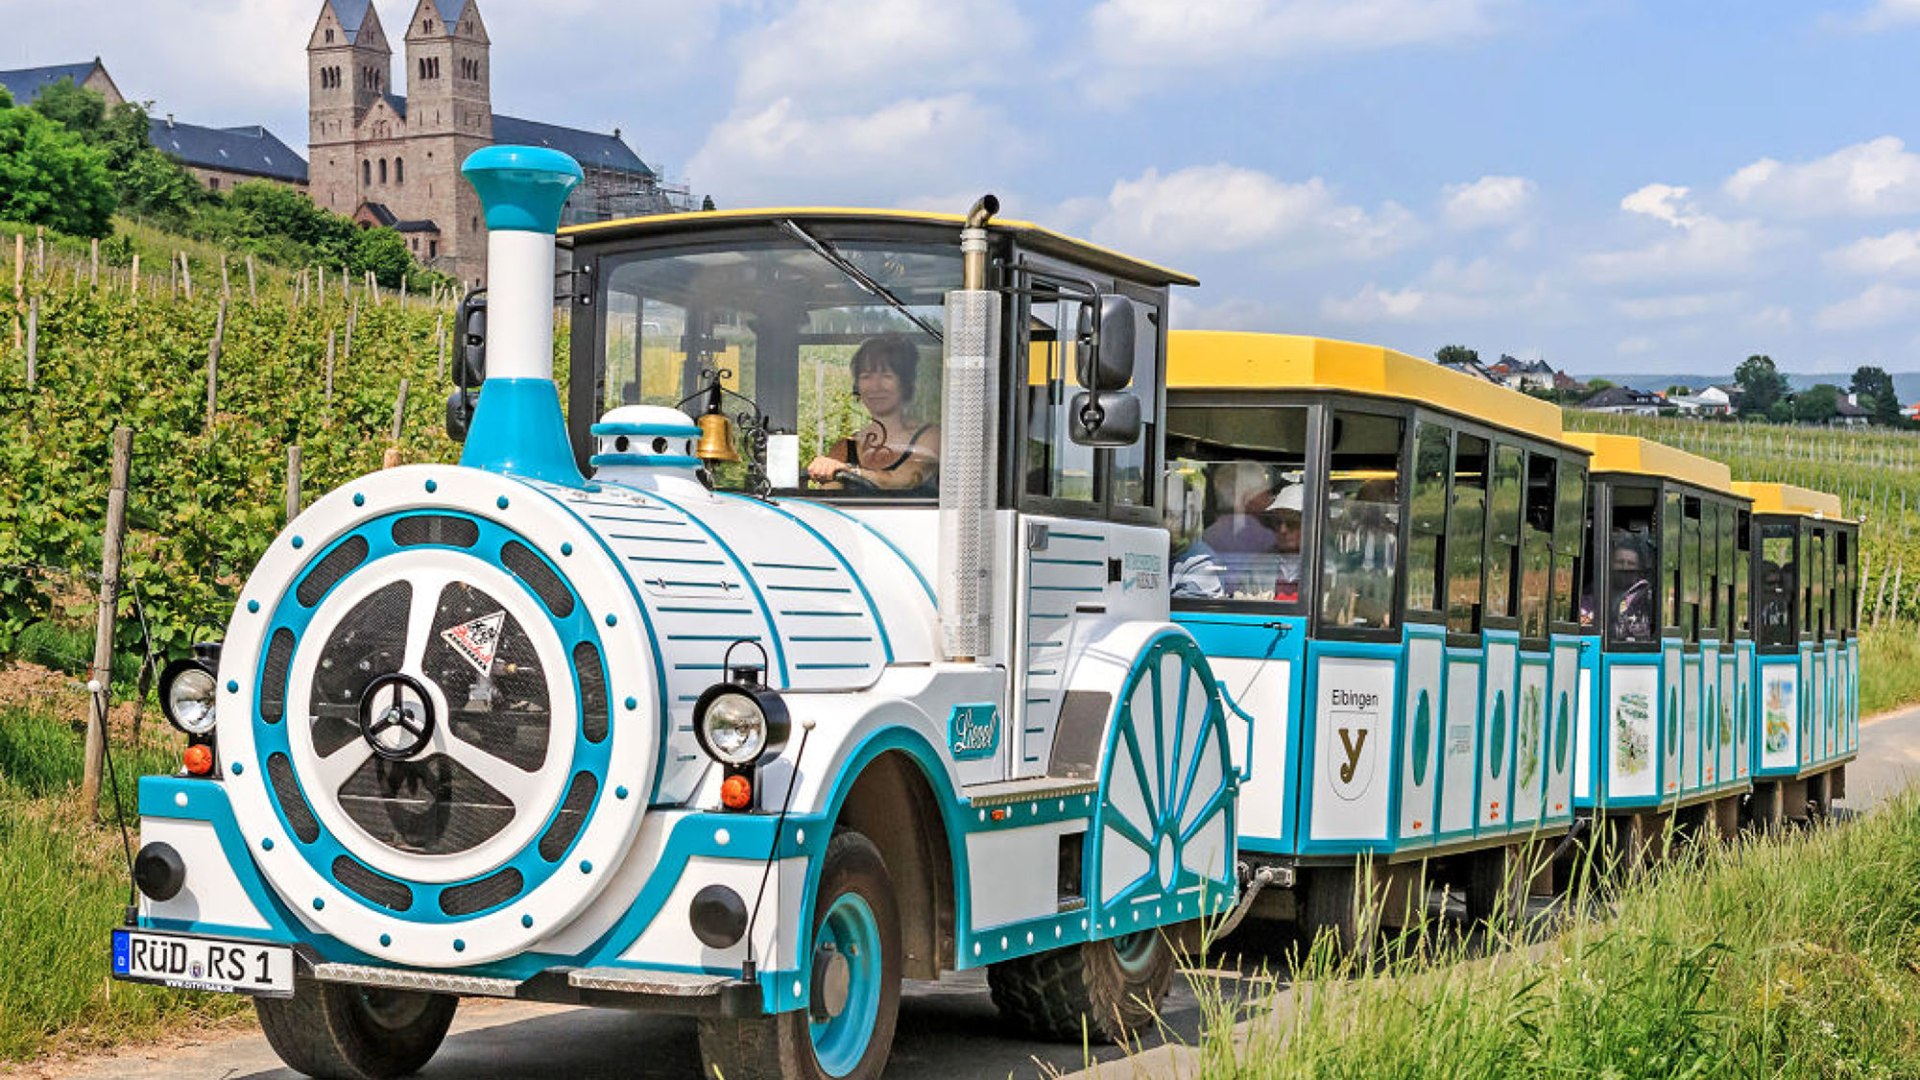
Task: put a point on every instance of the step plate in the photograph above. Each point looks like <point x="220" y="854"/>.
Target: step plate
<point x="637" y="981"/>
<point x="406" y="979"/>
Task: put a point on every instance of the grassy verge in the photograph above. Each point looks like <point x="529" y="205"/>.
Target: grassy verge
<point x="1889" y="667"/>
<point x="1791" y="957"/>
<point x="63" y="886"/>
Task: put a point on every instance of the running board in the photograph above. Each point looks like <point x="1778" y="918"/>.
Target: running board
<point x="1036" y="789"/>
<point x="404" y="979"/>
<point x="644" y="981"/>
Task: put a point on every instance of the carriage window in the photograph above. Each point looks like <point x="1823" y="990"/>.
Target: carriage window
<point x="1466" y="535"/>
<point x="1742" y="573"/>
<point x="1631" y="553"/>
<point x="1056" y="466"/>
<point x="1690" y="568"/>
<point x="1359" y="538"/>
<point x="1236" y="488"/>
<point x="1432" y="454"/>
<point x="1503" y="531"/>
<point x="1803" y="556"/>
<point x="1777" y="586"/>
<point x="1570" y="528"/>
<point x="673" y="322"/>
<point x="1671" y="541"/>
<point x="1729" y="557"/>
<point x="1820" y="571"/>
<point x="1844" y="583"/>
<point x="1536" y="550"/>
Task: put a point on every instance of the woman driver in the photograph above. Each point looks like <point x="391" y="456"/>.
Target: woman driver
<point x="883" y="454"/>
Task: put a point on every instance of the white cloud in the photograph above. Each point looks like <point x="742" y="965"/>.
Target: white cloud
<point x="1211" y="209"/>
<point x="1634" y="346"/>
<point x="1875" y="177"/>
<point x="1773" y="317"/>
<point x="1897" y="252"/>
<point x="1451" y="291"/>
<point x="780" y="152"/>
<point x="1879" y="305"/>
<point x="1887" y="14"/>
<point x="1698" y="245"/>
<point x="1678" y="305"/>
<point x="862" y="52"/>
<point x="1488" y="202"/>
<point x="1201" y="38"/>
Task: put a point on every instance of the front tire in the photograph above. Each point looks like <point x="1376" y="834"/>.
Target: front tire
<point x="339" y="1032"/>
<point x="1105" y="990"/>
<point x="855" y="937"/>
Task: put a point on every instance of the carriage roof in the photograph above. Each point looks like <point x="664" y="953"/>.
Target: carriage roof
<point x="1644" y="457"/>
<point x="1791" y="499"/>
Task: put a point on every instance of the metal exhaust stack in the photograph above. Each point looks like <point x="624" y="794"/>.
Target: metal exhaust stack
<point x="969" y="458"/>
<point x="517" y="426"/>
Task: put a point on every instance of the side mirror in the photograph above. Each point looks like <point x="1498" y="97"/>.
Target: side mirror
<point x="471" y="362"/>
<point x="1105" y="354"/>
<point x="459" y="415"/>
<point x="1105" y="418"/>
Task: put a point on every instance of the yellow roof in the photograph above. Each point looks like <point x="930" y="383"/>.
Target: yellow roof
<point x="1034" y="235"/>
<point x="1644" y="457"/>
<point x="1789" y="499"/>
<point x="1219" y="359"/>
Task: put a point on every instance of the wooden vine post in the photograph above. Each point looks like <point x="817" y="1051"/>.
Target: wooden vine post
<point x="93" y="276"/>
<point x="33" y="342"/>
<point x="293" y="481"/>
<point x="213" y="359"/>
<point x="19" y="282"/>
<point x="102" y="672"/>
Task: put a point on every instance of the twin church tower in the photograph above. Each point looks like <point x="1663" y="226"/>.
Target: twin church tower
<point x="388" y="159"/>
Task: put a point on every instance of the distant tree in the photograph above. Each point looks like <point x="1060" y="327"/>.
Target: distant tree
<point x="48" y="176"/>
<point x="706" y="203"/>
<point x="1761" y="385"/>
<point x="1456" y="354"/>
<point x="81" y="110"/>
<point x="1816" y="405"/>
<point x="1873" y="388"/>
<point x="1595" y="385"/>
<point x="1781" y="412"/>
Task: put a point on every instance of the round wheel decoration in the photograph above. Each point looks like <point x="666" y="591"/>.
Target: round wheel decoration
<point x="431" y="754"/>
<point x="1165" y="816"/>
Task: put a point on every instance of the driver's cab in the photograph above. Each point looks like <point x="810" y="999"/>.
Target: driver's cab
<point x="820" y="337"/>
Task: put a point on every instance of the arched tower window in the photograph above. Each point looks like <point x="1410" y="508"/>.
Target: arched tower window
<point x="399" y="171"/>
<point x="383" y="170"/>
<point x="366" y="173"/>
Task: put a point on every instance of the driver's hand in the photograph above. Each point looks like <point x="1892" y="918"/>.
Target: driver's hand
<point x="824" y="470"/>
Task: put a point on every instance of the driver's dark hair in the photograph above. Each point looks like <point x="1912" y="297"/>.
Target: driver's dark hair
<point x="887" y="352"/>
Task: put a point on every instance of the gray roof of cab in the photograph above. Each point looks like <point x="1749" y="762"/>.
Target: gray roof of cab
<point x="351" y="14"/>
<point x="252" y="149"/>
<point x="25" y="84"/>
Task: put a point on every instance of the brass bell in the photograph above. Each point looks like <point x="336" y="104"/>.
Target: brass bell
<point x="716" y="431"/>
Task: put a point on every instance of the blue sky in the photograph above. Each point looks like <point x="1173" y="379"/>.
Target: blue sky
<point x="1617" y="186"/>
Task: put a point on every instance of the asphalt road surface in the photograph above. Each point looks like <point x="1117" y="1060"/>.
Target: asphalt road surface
<point x="947" y="1029"/>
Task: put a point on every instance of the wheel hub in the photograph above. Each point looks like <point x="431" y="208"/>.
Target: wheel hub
<point x="832" y="982"/>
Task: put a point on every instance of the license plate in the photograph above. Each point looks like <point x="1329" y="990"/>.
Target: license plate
<point x="199" y="963"/>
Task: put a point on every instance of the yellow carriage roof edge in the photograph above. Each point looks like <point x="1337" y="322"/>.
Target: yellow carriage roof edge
<point x="927" y="217"/>
<point x="1241" y="360"/>
<point x="1645" y="457"/>
<point x="1771" y="498"/>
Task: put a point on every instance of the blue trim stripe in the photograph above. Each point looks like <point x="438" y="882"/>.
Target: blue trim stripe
<point x="661" y="461"/>
<point x="689" y="430"/>
<point x="873" y="609"/>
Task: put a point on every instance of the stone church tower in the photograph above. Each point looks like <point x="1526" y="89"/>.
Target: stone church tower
<point x="390" y="160"/>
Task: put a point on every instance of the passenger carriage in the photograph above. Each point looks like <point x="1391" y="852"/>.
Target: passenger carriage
<point x="1666" y="642"/>
<point x="623" y="710"/>
<point x="1400" y="685"/>
<point x="1805" y="667"/>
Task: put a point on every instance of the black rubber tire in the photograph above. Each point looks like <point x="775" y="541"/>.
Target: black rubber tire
<point x="1496" y="891"/>
<point x="769" y="1047"/>
<point x="339" y="1032"/>
<point x="1331" y="904"/>
<point x="1082" y="991"/>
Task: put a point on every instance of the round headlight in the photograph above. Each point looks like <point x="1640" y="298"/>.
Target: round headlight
<point x="187" y="692"/>
<point x="735" y="728"/>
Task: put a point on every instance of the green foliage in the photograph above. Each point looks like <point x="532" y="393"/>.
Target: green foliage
<point x="1873" y="388"/>
<point x="78" y="109"/>
<point x="50" y="176"/>
<point x="1596" y="385"/>
<point x="1816" y="405"/>
<point x="1456" y="354"/>
<point x="1761" y="385"/>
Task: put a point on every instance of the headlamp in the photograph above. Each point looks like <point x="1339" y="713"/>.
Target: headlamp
<point x="188" y="689"/>
<point x="740" y="723"/>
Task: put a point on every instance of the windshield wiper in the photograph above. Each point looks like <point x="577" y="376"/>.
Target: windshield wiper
<point x="860" y="277"/>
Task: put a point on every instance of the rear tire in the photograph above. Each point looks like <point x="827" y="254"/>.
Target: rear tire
<point x="854" y="916"/>
<point x="1105" y="990"/>
<point x="1496" y="888"/>
<point x="339" y="1032"/>
<point x="1332" y="904"/>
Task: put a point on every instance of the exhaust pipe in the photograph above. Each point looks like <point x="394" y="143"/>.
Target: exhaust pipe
<point x="517" y="426"/>
<point x="969" y="460"/>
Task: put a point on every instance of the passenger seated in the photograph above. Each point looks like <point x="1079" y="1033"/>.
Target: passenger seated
<point x="1195" y="572"/>
<point x="883" y="455"/>
<point x="1283" y="513"/>
<point x="1632" y="616"/>
<point x="1240" y="534"/>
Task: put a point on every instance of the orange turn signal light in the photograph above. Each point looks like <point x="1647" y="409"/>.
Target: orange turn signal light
<point x="198" y="760"/>
<point x="736" y="792"/>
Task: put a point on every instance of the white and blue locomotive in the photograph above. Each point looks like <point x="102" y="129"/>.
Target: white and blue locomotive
<point x="692" y="733"/>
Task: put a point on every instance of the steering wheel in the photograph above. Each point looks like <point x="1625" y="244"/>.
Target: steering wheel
<point x="853" y="481"/>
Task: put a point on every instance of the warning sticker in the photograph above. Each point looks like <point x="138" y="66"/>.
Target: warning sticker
<point x="477" y="640"/>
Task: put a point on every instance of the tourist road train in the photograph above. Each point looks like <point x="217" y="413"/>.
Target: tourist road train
<point x="896" y="595"/>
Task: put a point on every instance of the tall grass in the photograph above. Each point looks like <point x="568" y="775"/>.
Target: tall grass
<point x="1889" y="667"/>
<point x="63" y="886"/>
<point x="1794" y="956"/>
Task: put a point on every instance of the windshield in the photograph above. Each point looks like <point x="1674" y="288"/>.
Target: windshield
<point x="843" y="360"/>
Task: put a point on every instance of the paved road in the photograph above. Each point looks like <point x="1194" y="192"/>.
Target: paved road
<point x="947" y="1029"/>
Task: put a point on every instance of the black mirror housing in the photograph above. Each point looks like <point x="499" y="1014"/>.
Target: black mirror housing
<point x="471" y="359"/>
<point x="1105" y="359"/>
<point x="1108" y="418"/>
<point x="459" y="415"/>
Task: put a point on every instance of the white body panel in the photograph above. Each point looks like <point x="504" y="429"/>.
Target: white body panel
<point x="1351" y="757"/>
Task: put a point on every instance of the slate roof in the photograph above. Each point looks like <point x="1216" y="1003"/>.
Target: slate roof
<point x="450" y="12"/>
<point x="25" y="84"/>
<point x="252" y="150"/>
<point x="590" y="148"/>
<point x="351" y="14"/>
<point x="1614" y="397"/>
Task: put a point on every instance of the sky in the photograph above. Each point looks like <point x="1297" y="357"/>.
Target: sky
<point x="1619" y="187"/>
